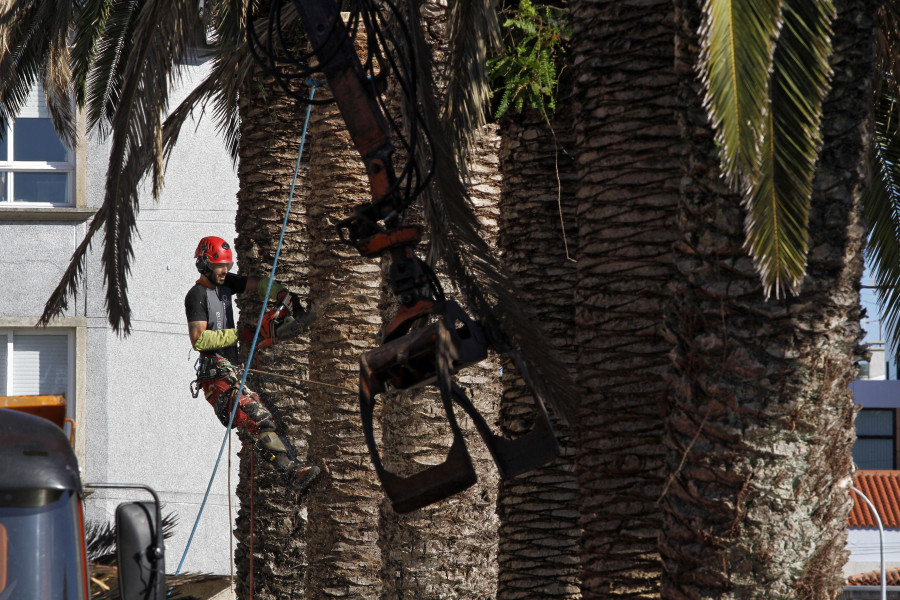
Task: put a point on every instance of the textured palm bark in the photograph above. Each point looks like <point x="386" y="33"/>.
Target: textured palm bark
<point x="447" y="549"/>
<point x="539" y="531"/>
<point x="270" y="523"/>
<point x="761" y="426"/>
<point x="344" y="558"/>
<point x="628" y="176"/>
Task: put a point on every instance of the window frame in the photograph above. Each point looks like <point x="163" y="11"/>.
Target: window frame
<point x="10" y="167"/>
<point x="9" y="334"/>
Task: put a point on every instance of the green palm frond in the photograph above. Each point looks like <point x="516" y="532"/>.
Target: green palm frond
<point x="881" y="202"/>
<point x="89" y="26"/>
<point x="779" y="198"/>
<point x="474" y="34"/>
<point x="230" y="64"/>
<point x="227" y="18"/>
<point x="107" y="77"/>
<point x="74" y="273"/>
<point x="163" y="29"/>
<point x="737" y="45"/>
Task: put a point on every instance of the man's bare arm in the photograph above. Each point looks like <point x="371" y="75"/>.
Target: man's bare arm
<point x="195" y="328"/>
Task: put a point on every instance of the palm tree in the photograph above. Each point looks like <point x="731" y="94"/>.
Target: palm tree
<point x="760" y="423"/>
<point x="718" y="471"/>
<point x="342" y="537"/>
<point x="271" y="526"/>
<point x="708" y="411"/>
<point x="539" y="516"/>
<point x="627" y="141"/>
<point x="448" y="549"/>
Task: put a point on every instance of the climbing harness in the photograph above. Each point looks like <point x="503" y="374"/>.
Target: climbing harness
<point x="208" y="368"/>
<point x="431" y="338"/>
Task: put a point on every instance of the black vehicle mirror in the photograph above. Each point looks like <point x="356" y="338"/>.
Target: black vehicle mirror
<point x="142" y="570"/>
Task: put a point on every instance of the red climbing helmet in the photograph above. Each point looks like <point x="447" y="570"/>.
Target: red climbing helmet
<point x="210" y="251"/>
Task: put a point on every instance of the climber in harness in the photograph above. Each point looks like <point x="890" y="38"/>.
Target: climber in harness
<point x="212" y="331"/>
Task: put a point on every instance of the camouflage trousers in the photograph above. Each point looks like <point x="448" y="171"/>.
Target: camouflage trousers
<point x="221" y="386"/>
<point x="221" y="382"/>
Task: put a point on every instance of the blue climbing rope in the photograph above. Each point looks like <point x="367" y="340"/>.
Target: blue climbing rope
<point x="313" y="85"/>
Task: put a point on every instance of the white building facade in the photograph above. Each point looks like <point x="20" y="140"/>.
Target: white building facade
<point x="136" y="421"/>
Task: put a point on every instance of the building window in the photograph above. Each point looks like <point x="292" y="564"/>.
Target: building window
<point x="36" y="364"/>
<point x="36" y="169"/>
<point x="874" y="448"/>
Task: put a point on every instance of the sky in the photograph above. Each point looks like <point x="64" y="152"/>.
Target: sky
<point x="872" y="322"/>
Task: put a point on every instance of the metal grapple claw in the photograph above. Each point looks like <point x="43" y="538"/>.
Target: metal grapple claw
<point x="431" y="356"/>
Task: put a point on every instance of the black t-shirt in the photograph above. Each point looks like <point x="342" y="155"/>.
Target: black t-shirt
<point x="216" y="308"/>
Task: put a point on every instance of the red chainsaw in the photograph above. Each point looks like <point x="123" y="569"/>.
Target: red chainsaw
<point x="287" y="319"/>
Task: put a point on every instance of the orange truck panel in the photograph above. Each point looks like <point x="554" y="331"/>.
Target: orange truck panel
<point x="51" y="407"/>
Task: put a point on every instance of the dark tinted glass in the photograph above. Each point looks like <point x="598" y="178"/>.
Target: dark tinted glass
<point x="43" y="545"/>
<point x="41" y="187"/>
<point x="875" y="422"/>
<point x="877" y="455"/>
<point x="36" y="140"/>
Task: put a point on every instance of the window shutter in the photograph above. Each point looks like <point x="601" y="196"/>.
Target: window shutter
<point x="4" y="354"/>
<point x="35" y="105"/>
<point x="40" y="364"/>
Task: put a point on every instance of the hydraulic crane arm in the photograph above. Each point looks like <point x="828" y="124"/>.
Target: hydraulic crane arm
<point x="449" y="339"/>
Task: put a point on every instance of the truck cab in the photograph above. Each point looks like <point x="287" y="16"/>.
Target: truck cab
<point x="42" y="545"/>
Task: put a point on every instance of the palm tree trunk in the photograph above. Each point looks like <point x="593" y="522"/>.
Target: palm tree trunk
<point x="342" y="538"/>
<point x="761" y="425"/>
<point x="448" y="549"/>
<point x="268" y="522"/>
<point x="539" y="531"/>
<point x="628" y="176"/>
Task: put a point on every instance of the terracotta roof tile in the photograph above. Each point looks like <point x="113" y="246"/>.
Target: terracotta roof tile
<point x="892" y="577"/>
<point x="882" y="488"/>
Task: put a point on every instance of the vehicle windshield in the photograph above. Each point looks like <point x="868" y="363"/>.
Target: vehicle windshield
<point x="40" y="549"/>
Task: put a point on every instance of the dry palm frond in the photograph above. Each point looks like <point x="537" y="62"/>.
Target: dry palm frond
<point x="474" y="34"/>
<point x="33" y="47"/>
<point x="106" y="579"/>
